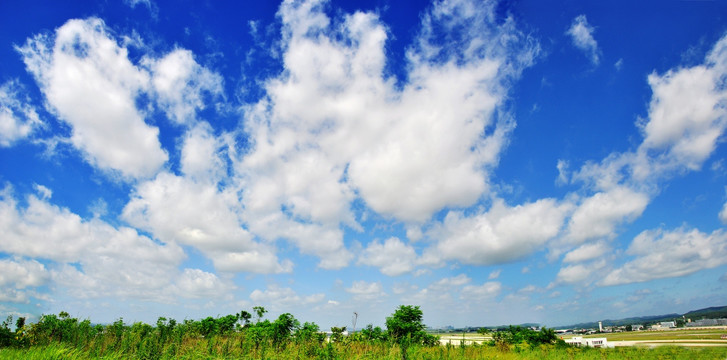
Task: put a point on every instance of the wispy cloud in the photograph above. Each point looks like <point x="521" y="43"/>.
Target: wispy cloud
<point x="581" y="33"/>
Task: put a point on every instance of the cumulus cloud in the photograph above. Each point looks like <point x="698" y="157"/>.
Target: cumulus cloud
<point x="685" y="121"/>
<point x="280" y="298"/>
<point x="686" y="114"/>
<point x="405" y="151"/>
<point x="500" y="235"/>
<point x="18" y="276"/>
<point x="581" y="33"/>
<point x="18" y="119"/>
<point x="106" y="260"/>
<point x="723" y="214"/>
<point x="89" y="82"/>
<point x="178" y="210"/>
<point x="364" y="290"/>
<point x="586" y="252"/>
<point x="487" y="290"/>
<point x="180" y="84"/>
<point x="598" y="215"/>
<point x="393" y="257"/>
<point x="662" y="254"/>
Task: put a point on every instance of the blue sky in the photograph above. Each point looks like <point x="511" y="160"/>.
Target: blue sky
<point x="491" y="162"/>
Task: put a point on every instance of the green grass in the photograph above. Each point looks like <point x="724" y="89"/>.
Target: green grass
<point x="681" y="334"/>
<point x="214" y="349"/>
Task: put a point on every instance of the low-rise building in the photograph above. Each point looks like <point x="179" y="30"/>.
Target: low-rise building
<point x="590" y="342"/>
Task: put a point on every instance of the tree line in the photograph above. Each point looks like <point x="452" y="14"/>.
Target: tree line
<point x="245" y="334"/>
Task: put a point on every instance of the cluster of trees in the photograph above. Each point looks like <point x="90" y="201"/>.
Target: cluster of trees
<point x="517" y="336"/>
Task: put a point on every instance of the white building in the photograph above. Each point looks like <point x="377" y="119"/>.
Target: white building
<point x="591" y="342"/>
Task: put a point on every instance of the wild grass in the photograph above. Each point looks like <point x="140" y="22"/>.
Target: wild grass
<point x="203" y="350"/>
<point x="64" y="337"/>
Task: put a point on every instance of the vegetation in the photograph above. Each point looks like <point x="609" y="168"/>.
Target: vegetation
<point x="237" y="337"/>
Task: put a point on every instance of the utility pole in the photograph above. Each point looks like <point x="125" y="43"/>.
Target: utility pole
<point x="355" y="317"/>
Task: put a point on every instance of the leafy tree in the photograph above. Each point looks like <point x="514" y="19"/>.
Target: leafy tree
<point x="372" y="333"/>
<point x="245" y="317"/>
<point x="283" y="328"/>
<point x="405" y="326"/>
<point x="337" y="333"/>
<point x="259" y="311"/>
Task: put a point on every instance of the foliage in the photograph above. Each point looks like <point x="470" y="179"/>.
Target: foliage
<point x="405" y="326"/>
<point x="62" y="336"/>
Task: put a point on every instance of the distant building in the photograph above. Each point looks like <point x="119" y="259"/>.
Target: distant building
<point x="600" y="326"/>
<point x="707" y="322"/>
<point x="590" y="342"/>
<point x="637" y="327"/>
<point x="664" y="325"/>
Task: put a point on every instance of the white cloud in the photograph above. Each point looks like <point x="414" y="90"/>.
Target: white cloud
<point x="582" y="36"/>
<point x="586" y="252"/>
<point x="662" y="254"/>
<point x="487" y="290"/>
<point x="108" y="261"/>
<point x="723" y="213"/>
<point x="393" y="257"/>
<point x="279" y="298"/>
<point x="18" y="277"/>
<point x="406" y="152"/>
<point x="179" y="210"/>
<point x="18" y="119"/>
<point x="447" y="283"/>
<point x="494" y="275"/>
<point x="598" y="215"/>
<point x="180" y="83"/>
<point x="686" y="113"/>
<point x="363" y="290"/>
<point x="200" y="155"/>
<point x="89" y="82"/>
<point x="195" y="283"/>
<point x="501" y="235"/>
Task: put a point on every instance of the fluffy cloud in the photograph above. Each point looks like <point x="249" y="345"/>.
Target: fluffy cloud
<point x="685" y="122"/>
<point x="180" y="83"/>
<point x="686" y="113"/>
<point x="107" y="261"/>
<point x="487" y="290"/>
<point x="598" y="215"/>
<point x="405" y="151"/>
<point x="89" y="82"/>
<point x="195" y="283"/>
<point x="586" y="252"/>
<point x="393" y="257"/>
<point x="181" y="211"/>
<point x="18" y="120"/>
<point x="363" y="290"/>
<point x="581" y="33"/>
<point x="723" y="214"/>
<point x="17" y="276"/>
<point x="661" y="254"/>
<point x="279" y="298"/>
<point x="500" y="235"/>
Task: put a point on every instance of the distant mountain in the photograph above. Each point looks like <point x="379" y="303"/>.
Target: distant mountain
<point x="716" y="312"/>
<point x="706" y="313"/>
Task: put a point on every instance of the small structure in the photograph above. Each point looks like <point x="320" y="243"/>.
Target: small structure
<point x="637" y="327"/>
<point x="580" y="341"/>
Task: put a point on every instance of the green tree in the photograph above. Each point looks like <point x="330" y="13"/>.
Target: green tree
<point x="245" y="318"/>
<point x="405" y="326"/>
<point x="337" y="333"/>
<point x="405" y="322"/>
<point x="259" y="311"/>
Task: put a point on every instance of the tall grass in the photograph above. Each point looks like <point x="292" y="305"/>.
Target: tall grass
<point x="63" y="337"/>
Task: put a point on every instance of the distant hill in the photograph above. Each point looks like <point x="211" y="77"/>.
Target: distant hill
<point x="706" y="313"/>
